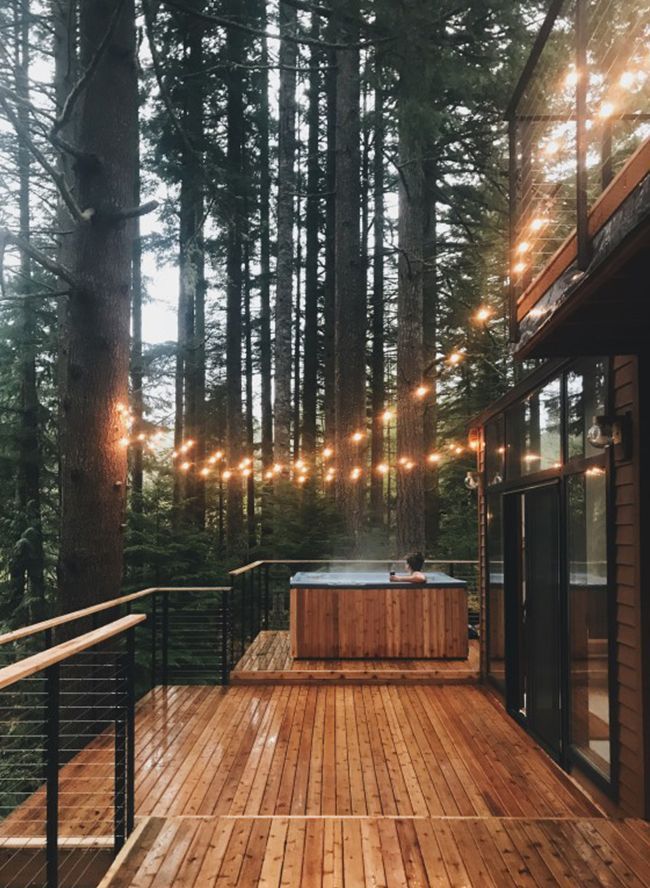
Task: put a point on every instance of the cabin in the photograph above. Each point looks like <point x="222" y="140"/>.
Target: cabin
<point x="565" y="570"/>
<point x="311" y="723"/>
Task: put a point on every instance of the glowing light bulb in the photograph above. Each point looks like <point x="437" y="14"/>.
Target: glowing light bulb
<point x="205" y="472"/>
<point x="403" y="460"/>
<point x="455" y="358"/>
<point x="142" y="437"/>
<point x="409" y="465"/>
<point x="175" y="454"/>
<point x="277" y="469"/>
<point x="530" y="457"/>
<point x="519" y="268"/>
<point x="458" y="449"/>
<point x="355" y="474"/>
<point x="227" y="475"/>
<point x="124" y="442"/>
<point x="483" y="315"/>
<point x="473" y="445"/>
<point x="606" y="110"/>
<point x="357" y="436"/>
<point x="299" y="464"/>
<point x="627" y="79"/>
<point x="185" y="466"/>
<point x="434" y="458"/>
<point x="421" y="391"/>
<point x="382" y="469"/>
<point x="327" y="453"/>
<point x="268" y="475"/>
<point x="551" y="148"/>
<point x="387" y="416"/>
<point x="218" y="455"/>
<point x="246" y="472"/>
<point x="189" y="444"/>
<point x="538" y="223"/>
<point x="523" y="247"/>
<point x="120" y="407"/>
<point x="301" y="479"/>
<point x="501" y="450"/>
<point x="572" y="77"/>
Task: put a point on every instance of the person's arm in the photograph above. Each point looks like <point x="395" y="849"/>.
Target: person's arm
<point x="416" y="577"/>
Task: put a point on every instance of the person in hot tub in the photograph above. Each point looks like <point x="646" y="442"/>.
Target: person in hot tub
<point x="414" y="563"/>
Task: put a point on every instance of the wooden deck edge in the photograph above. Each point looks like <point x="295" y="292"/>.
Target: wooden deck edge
<point x="357" y="676"/>
<point x="137" y="845"/>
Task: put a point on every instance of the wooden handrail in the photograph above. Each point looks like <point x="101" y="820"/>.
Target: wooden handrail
<point x="38" y="662"/>
<point x="71" y="616"/>
<point x="254" y="564"/>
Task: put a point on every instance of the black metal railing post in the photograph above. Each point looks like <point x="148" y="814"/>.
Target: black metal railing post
<point x="130" y="730"/>
<point x="119" y="791"/>
<point x="154" y="637"/>
<point x="225" y="632"/>
<point x="266" y="596"/>
<point x="53" y="688"/>
<point x="165" y="639"/>
<point x="241" y="583"/>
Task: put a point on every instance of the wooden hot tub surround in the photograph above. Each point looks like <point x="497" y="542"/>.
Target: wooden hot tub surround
<point x="365" y="616"/>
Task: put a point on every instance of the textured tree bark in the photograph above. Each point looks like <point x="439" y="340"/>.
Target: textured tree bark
<point x="312" y="221"/>
<point x="378" y="368"/>
<point x="297" y="308"/>
<point x="410" y="409"/>
<point x="250" y="431"/>
<point x="265" y="288"/>
<point x="192" y="273"/>
<point x="285" y="245"/>
<point x="350" y="305"/>
<point x="97" y="362"/>
<point x="27" y="567"/>
<point x="429" y="333"/>
<point x="137" y="470"/>
<point x="329" y="295"/>
<point x="234" y="256"/>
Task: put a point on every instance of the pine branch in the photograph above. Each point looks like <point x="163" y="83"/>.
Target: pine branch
<point x="301" y="40"/>
<point x="56" y="268"/>
<point x="58" y="178"/>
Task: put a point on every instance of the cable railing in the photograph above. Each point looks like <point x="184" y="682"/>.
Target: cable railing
<point x="67" y="764"/>
<point x="579" y="116"/>
<point x="260" y="592"/>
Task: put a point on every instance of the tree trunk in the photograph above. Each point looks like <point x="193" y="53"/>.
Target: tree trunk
<point x="234" y="256"/>
<point x="350" y="292"/>
<point x="329" y="296"/>
<point x="286" y="194"/>
<point x="27" y="567"/>
<point x="192" y="274"/>
<point x="97" y="365"/>
<point x="312" y="219"/>
<point x="250" y="431"/>
<point x="410" y="409"/>
<point x="137" y="471"/>
<point x="265" y="288"/>
<point x="377" y="358"/>
<point x="297" y="323"/>
<point x="429" y="331"/>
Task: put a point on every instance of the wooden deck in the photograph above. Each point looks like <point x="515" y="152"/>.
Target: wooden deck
<point x="268" y="661"/>
<point x="333" y="852"/>
<point x="348" y="786"/>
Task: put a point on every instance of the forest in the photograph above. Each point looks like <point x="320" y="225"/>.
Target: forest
<point x="254" y="277"/>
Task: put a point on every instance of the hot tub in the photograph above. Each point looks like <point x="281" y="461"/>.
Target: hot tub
<point x="362" y="615"/>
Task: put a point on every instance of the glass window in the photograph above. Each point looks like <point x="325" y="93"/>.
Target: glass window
<point x="495" y="596"/>
<point x="533" y="432"/>
<point x="588" y="617"/>
<point x="586" y="398"/>
<point x="495" y="451"/>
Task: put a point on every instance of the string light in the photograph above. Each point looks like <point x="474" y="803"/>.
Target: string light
<point x="227" y="475"/>
<point x="434" y="458"/>
<point x="523" y="247"/>
<point x="301" y="479"/>
<point x="538" y="223"/>
<point x="382" y="469"/>
<point x="246" y="472"/>
<point x="606" y="110"/>
<point x="409" y="465"/>
<point x="387" y="416"/>
<point x="358" y="436"/>
<point x="355" y="474"/>
<point x="185" y="467"/>
<point x="205" y="472"/>
<point x="124" y="442"/>
<point x="277" y="469"/>
<point x="421" y="391"/>
<point x="455" y="358"/>
<point x="268" y="474"/>
<point x="519" y="267"/>
<point x="328" y="453"/>
<point x="483" y="314"/>
<point x="551" y="148"/>
<point x="572" y="77"/>
<point x="627" y="79"/>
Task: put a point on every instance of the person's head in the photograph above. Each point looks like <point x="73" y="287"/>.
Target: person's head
<point x="415" y="560"/>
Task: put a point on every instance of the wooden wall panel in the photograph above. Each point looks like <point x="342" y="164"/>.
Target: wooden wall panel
<point x="629" y="690"/>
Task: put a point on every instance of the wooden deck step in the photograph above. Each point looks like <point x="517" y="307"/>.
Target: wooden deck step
<point x="268" y="661"/>
<point x="383" y="851"/>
